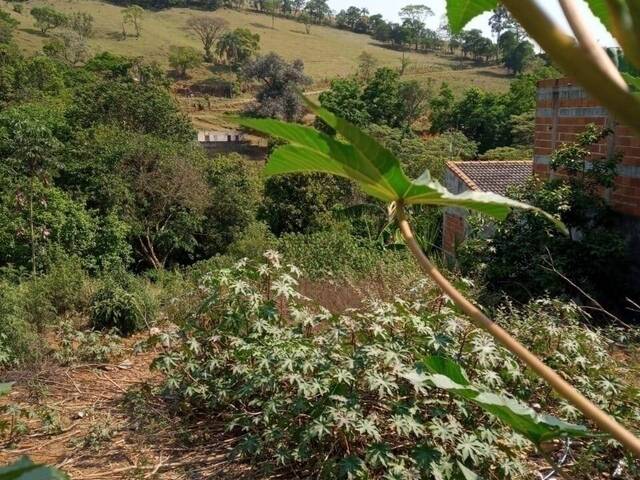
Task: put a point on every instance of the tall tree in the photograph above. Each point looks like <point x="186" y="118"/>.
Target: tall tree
<point x="184" y="58"/>
<point x="238" y="46"/>
<point x="414" y="17"/>
<point x="209" y="30"/>
<point x="133" y="15"/>
<point x="273" y="7"/>
<point x="48" y="18"/>
<point x="281" y="81"/>
<point x="318" y="10"/>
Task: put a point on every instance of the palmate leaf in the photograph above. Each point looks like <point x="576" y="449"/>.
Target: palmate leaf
<point x="449" y="376"/>
<point x="468" y="474"/>
<point x="461" y="12"/>
<point x="25" y="469"/>
<point x="374" y="168"/>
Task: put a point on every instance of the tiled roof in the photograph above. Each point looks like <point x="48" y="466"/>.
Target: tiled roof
<point x="492" y="176"/>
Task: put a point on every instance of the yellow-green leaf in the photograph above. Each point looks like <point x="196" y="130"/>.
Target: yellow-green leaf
<point x="461" y="12"/>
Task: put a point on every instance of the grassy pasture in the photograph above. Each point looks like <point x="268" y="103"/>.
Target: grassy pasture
<point x="327" y="52"/>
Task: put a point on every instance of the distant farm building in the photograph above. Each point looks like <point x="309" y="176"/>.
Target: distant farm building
<point x="232" y="141"/>
<point x="480" y="176"/>
<point x="207" y="137"/>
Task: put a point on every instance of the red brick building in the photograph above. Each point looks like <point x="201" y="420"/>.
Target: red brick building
<point x="563" y="110"/>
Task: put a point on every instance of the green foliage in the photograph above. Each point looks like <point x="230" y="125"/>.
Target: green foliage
<point x="280" y="82"/>
<point x="336" y="396"/>
<point x="418" y="155"/>
<point x="122" y="303"/>
<point x="18" y="340"/>
<point x="302" y="203"/>
<point x="133" y="106"/>
<point x="521" y="258"/>
<point x="344" y="98"/>
<point x="508" y="153"/>
<point x="184" y="58"/>
<point x="48" y="18"/>
<point x="82" y="24"/>
<point x="7" y="26"/>
<point x="236" y="187"/>
<point x="523" y="419"/>
<point x="338" y="253"/>
<point x="376" y="170"/>
<point x="460" y="13"/>
<point x="25" y="469"/>
<point x="78" y="346"/>
<point x="238" y="46"/>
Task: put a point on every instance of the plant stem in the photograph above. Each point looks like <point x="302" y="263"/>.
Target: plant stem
<point x="32" y="230"/>
<point x="557" y="469"/>
<point x="575" y="62"/>
<point x="564" y="389"/>
<point x="589" y="44"/>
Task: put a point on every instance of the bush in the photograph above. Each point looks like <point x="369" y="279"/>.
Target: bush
<point x="337" y="253"/>
<point x="123" y="303"/>
<point x="18" y="340"/>
<point x="332" y="396"/>
<point x="66" y="286"/>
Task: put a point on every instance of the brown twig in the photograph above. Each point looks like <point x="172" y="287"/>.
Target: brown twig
<point x="563" y="388"/>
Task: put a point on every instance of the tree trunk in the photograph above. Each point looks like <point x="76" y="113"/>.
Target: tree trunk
<point x="31" y="226"/>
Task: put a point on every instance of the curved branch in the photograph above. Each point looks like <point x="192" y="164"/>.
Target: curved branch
<point x="589" y="44"/>
<point x="575" y="62"/>
<point x="564" y="389"/>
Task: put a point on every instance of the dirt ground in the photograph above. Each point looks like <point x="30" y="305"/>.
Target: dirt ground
<point x="109" y="426"/>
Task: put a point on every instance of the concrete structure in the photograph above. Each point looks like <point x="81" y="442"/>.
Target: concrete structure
<point x="482" y="176"/>
<point x="227" y="136"/>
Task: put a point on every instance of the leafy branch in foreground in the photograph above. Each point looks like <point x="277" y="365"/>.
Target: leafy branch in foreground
<point x="378" y="173"/>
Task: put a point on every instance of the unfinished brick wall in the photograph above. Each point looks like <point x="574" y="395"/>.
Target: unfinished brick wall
<point x="563" y="110"/>
<point x="453" y="231"/>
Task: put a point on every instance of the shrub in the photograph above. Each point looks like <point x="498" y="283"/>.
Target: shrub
<point x="508" y="153"/>
<point x="66" y="286"/>
<point x="123" y="303"/>
<point x="333" y="396"/>
<point x="18" y="340"/>
<point x="78" y="346"/>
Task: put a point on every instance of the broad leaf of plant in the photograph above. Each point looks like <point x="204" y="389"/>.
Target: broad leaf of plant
<point x="468" y="474"/>
<point x="523" y="419"/>
<point x="461" y="12"/>
<point x="600" y="9"/>
<point x="374" y="168"/>
<point x="25" y="469"/>
<point x="621" y="17"/>
<point x="634" y="82"/>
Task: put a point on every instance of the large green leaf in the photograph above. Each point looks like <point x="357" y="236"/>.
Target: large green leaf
<point x="461" y="12"/>
<point x="601" y="10"/>
<point x="633" y="82"/>
<point x="25" y="469"/>
<point x="523" y="419"/>
<point x="374" y="168"/>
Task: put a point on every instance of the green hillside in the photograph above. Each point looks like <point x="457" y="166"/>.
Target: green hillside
<point x="327" y="52"/>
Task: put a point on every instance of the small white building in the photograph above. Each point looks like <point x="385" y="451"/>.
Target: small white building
<point x="225" y="136"/>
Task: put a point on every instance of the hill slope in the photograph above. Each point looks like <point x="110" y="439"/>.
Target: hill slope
<point x="327" y="52"/>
